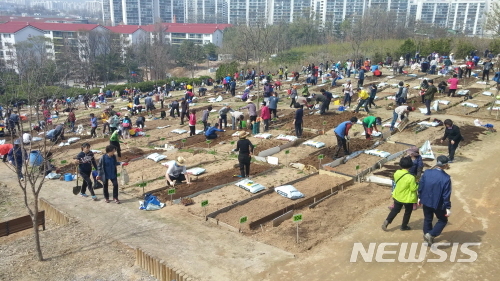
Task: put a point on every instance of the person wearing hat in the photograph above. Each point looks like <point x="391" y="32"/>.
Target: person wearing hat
<point x="434" y="193"/>
<point x="342" y="135"/>
<point x="85" y="161"/>
<point x="106" y="171"/>
<point x="245" y="149"/>
<point x="418" y="164"/>
<point x="177" y="172"/>
<point x="127" y="126"/>
<point x="252" y="110"/>
<point x="429" y="96"/>
<point x="17" y="156"/>
<point x="487" y="66"/>
<point x="370" y="124"/>
<point x="404" y="194"/>
<point x="399" y="113"/>
<point x="265" y="115"/>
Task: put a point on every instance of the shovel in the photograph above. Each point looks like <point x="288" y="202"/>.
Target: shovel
<point x="76" y="188"/>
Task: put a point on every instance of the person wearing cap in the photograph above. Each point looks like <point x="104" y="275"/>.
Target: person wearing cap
<point x="106" y="171"/>
<point x="85" y="161"/>
<point x="370" y="124"/>
<point x="177" y="172"/>
<point x="252" y="110"/>
<point x="265" y="115"/>
<point x="434" y="193"/>
<point x="342" y="135"/>
<point x="404" y="194"/>
<point x="429" y="96"/>
<point x="363" y="100"/>
<point x="418" y="163"/>
<point x="452" y="133"/>
<point x="127" y="126"/>
<point x="348" y="92"/>
<point x="223" y="115"/>
<point x="17" y="156"/>
<point x="399" y="113"/>
<point x="245" y="149"/>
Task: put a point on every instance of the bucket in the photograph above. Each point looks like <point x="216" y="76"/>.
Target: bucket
<point x="92" y="104"/>
<point x="341" y="108"/>
<point x="243" y="124"/>
<point x="68" y="177"/>
<point x="35" y="158"/>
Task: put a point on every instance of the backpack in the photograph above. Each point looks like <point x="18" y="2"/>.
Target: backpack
<point x="125" y="123"/>
<point x="496" y="78"/>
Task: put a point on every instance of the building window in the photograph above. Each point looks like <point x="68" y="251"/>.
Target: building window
<point x="6" y="36"/>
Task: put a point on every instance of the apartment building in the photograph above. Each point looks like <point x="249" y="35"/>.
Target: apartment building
<point x="467" y="16"/>
<point x="12" y="33"/>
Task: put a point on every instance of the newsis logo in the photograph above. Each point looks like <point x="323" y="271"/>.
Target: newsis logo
<point x="406" y="252"/>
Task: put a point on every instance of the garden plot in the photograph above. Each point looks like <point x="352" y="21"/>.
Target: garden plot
<point x="364" y="161"/>
<point x="264" y="208"/>
<point x="392" y="147"/>
<point x="208" y="181"/>
<point x="331" y="119"/>
<point x="469" y="132"/>
<point x="231" y="194"/>
<point x="201" y="141"/>
<point x="327" y="220"/>
<point x="328" y="152"/>
<point x="302" y="151"/>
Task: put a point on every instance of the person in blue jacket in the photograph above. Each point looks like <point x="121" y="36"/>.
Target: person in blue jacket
<point x="17" y="156"/>
<point x="210" y="132"/>
<point x="342" y="135"/>
<point x="107" y="172"/>
<point x="434" y="192"/>
<point x="273" y="104"/>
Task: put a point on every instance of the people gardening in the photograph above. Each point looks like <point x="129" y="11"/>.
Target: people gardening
<point x="452" y="133"/>
<point x="245" y="149"/>
<point x="342" y="135"/>
<point x="177" y="172"/>
<point x="210" y="133"/>
<point x="399" y="114"/>
<point x="370" y="125"/>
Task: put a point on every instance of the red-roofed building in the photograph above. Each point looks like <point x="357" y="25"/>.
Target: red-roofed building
<point x="130" y="34"/>
<point x="12" y="33"/>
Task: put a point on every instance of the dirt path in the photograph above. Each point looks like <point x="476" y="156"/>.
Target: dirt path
<point x="474" y="219"/>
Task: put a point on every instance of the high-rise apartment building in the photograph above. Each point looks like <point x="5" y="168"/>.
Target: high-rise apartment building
<point x="464" y="15"/>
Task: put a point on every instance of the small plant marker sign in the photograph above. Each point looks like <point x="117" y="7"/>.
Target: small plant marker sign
<point x="297" y="218"/>
<point x="320" y="157"/>
<point x="183" y="142"/>
<point x="162" y="139"/>
<point x="243" y="219"/>
<point x="64" y="162"/>
<point x="232" y="142"/>
<point x="208" y="142"/>
<point x="286" y="155"/>
<point x="171" y="192"/>
<point x="204" y="204"/>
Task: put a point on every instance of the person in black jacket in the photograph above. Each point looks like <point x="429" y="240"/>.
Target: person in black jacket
<point x="85" y="160"/>
<point x="452" y="133"/>
<point x="245" y="149"/>
<point x="184" y="110"/>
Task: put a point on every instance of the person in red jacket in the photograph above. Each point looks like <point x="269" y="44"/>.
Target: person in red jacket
<point x="72" y="120"/>
<point x="265" y="114"/>
<point x="4" y="150"/>
<point x="469" y="65"/>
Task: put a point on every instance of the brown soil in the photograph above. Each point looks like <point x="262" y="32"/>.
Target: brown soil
<point x="200" y="140"/>
<point x="262" y="145"/>
<point x="470" y="134"/>
<point x="327" y="220"/>
<point x="364" y="161"/>
<point x="392" y="147"/>
<point x="388" y="170"/>
<point x="328" y="152"/>
<point x="202" y="183"/>
<point x="332" y="120"/>
<point x="270" y="203"/>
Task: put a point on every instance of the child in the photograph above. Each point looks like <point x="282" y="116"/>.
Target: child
<point x="107" y="172"/>
<point x="85" y="160"/>
<point x="192" y="122"/>
<point x="93" y="125"/>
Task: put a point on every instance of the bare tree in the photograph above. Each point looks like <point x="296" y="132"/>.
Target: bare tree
<point x="493" y="19"/>
<point x="36" y="71"/>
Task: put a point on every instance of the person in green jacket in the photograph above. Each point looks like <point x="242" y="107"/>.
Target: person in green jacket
<point x="404" y="194"/>
<point x="115" y="141"/>
<point x="305" y="91"/>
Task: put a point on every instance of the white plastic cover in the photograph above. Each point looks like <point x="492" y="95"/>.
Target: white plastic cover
<point x="289" y="192"/>
<point x="250" y="186"/>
